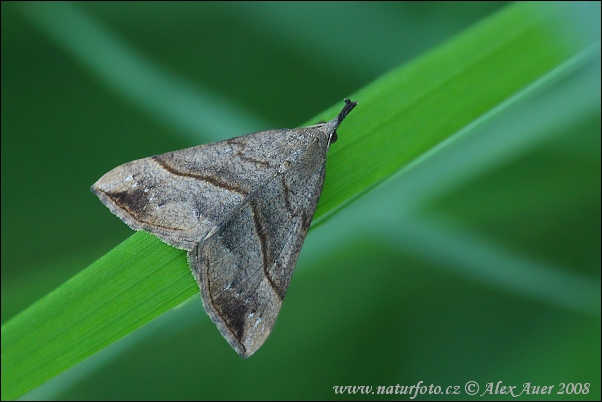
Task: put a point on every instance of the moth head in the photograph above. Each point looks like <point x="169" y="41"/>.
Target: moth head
<point x="332" y="136"/>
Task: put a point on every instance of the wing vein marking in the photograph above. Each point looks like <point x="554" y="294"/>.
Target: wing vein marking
<point x="134" y="215"/>
<point x="214" y="308"/>
<point x="263" y="242"/>
<point x="215" y="181"/>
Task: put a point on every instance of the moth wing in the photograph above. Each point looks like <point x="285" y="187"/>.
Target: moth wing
<point x="245" y="267"/>
<point x="180" y="196"/>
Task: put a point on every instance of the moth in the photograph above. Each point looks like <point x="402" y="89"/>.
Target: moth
<point x="241" y="209"/>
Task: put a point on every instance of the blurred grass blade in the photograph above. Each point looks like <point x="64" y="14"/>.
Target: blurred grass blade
<point x="120" y="292"/>
<point x="545" y="110"/>
<point x="413" y="109"/>
<point x="479" y="259"/>
<point x="400" y="117"/>
<point x="194" y="112"/>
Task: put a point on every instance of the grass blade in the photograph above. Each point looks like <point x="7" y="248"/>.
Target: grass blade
<point x="401" y="116"/>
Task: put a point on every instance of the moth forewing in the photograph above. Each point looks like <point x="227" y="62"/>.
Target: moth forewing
<point x="240" y="207"/>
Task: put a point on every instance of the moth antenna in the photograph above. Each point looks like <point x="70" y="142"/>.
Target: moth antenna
<point x="349" y="105"/>
<point x="333" y="124"/>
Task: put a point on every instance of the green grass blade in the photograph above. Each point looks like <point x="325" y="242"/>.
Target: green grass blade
<point x="412" y="109"/>
<point x="123" y="290"/>
<point x="195" y="113"/>
<point x="401" y="116"/>
<point x="528" y="120"/>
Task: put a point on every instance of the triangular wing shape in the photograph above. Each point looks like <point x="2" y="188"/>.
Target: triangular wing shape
<point x="245" y="265"/>
<point x="241" y="207"/>
<point x="181" y="196"/>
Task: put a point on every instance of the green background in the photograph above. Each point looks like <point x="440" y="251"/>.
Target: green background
<point x="491" y="272"/>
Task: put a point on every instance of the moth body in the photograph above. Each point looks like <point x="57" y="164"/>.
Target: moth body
<point x="240" y="207"/>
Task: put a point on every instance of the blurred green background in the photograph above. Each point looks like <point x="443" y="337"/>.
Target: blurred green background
<point x="480" y="263"/>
